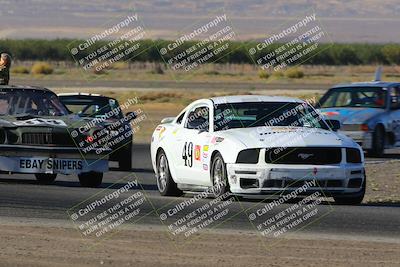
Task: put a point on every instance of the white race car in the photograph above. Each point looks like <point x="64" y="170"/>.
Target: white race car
<point x="250" y="145"/>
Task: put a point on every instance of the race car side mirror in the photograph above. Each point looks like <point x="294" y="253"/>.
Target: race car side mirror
<point x="167" y="120"/>
<point x="130" y="115"/>
<point x="395" y="103"/>
<point x="333" y="124"/>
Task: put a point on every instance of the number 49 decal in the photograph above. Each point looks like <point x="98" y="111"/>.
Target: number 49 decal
<point x="187" y="154"/>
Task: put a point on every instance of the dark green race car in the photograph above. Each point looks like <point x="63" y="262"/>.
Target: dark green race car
<point x="96" y="106"/>
<point x="38" y="135"/>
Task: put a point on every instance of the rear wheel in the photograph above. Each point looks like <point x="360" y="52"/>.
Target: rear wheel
<point x="166" y="185"/>
<point x="90" y="179"/>
<point x="378" y="142"/>
<point x="45" y="178"/>
<point x="219" y="176"/>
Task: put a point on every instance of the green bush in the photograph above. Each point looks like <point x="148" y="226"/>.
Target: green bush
<point x="294" y="73"/>
<point x="391" y="53"/>
<point x="42" y="68"/>
<point x="326" y="54"/>
<point x="20" y="70"/>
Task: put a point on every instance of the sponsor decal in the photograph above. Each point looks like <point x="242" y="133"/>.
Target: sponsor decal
<point x="51" y="164"/>
<point x="161" y="132"/>
<point x="205" y="167"/>
<point x="205" y="153"/>
<point x="175" y="131"/>
<point x="197" y="150"/>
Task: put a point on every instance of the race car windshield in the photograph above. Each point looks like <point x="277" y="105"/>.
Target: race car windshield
<point x="270" y="114"/>
<point x="30" y="102"/>
<point x="92" y="107"/>
<point x="368" y="97"/>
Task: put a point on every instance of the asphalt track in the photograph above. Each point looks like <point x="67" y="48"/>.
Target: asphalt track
<point x="22" y="197"/>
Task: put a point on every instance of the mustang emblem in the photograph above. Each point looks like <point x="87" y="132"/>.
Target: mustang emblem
<point x="305" y="156"/>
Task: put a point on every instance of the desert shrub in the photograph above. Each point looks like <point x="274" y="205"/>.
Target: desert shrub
<point x="294" y="73"/>
<point x="212" y="72"/>
<point x="262" y="74"/>
<point x="119" y="66"/>
<point x="20" y="70"/>
<point x="42" y="68"/>
<point x="278" y="74"/>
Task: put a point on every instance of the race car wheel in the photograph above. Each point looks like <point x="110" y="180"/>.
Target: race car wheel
<point x="45" y="178"/>
<point x="378" y="142"/>
<point x="352" y="200"/>
<point x="90" y="179"/>
<point x="125" y="159"/>
<point x="219" y="176"/>
<point x="166" y="185"/>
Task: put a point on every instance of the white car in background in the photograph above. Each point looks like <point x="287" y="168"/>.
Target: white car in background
<point x="249" y="145"/>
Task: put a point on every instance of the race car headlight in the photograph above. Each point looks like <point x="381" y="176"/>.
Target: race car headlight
<point x="353" y="155"/>
<point x="248" y="156"/>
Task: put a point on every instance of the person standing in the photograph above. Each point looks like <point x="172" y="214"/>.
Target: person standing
<point x="5" y="65"/>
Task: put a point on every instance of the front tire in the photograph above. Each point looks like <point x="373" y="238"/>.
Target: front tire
<point x="352" y="200"/>
<point x="90" y="179"/>
<point x="125" y="159"/>
<point x="45" y="178"/>
<point x="165" y="184"/>
<point x="219" y="176"/>
<point x="378" y="142"/>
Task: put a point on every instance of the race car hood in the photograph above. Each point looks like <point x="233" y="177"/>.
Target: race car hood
<point x="263" y="137"/>
<point x="351" y="115"/>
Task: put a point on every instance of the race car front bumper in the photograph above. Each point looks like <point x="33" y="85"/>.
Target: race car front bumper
<point x="51" y="165"/>
<point x="274" y="178"/>
<point x="51" y="160"/>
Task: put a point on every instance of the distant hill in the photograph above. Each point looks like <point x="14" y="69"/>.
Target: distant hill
<point x="346" y="21"/>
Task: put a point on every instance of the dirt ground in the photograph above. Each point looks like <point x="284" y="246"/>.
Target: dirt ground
<point x="24" y="245"/>
<point x="383" y="183"/>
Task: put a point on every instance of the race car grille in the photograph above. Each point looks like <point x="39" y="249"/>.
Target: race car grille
<point x="37" y="138"/>
<point x="304" y="155"/>
<point x="54" y="139"/>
